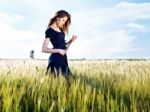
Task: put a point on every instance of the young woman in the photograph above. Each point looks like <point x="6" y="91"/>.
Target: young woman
<point x="55" y="33"/>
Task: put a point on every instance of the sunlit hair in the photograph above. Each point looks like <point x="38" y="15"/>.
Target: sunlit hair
<point x="61" y="14"/>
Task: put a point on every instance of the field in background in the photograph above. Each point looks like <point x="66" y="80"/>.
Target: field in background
<point x="96" y="86"/>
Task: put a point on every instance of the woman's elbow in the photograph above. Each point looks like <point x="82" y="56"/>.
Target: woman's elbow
<point x="43" y="50"/>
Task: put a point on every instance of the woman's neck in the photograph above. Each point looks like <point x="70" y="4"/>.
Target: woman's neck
<point x="55" y="27"/>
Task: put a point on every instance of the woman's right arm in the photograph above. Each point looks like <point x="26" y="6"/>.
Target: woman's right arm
<point x="45" y="48"/>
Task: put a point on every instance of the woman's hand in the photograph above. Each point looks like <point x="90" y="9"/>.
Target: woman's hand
<point x="62" y="52"/>
<point x="74" y="37"/>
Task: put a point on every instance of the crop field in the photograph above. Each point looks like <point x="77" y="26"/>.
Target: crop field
<point x="95" y="86"/>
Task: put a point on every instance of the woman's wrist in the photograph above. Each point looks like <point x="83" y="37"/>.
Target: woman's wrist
<point x="57" y="50"/>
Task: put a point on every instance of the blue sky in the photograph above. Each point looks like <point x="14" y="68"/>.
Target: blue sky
<point x="106" y="29"/>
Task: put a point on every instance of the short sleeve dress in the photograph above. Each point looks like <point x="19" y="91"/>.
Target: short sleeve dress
<point x="57" y="63"/>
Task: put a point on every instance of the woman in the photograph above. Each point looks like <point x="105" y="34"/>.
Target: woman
<point x="55" y="33"/>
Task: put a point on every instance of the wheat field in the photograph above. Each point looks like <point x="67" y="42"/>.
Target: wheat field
<point x="96" y="86"/>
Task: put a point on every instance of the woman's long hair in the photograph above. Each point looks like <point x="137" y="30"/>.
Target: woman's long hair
<point x="61" y="14"/>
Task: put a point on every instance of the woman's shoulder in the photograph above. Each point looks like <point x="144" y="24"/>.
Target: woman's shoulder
<point x="49" y="32"/>
<point x="49" y="29"/>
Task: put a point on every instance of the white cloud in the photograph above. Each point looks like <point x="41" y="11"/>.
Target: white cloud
<point x="17" y="41"/>
<point x="5" y="17"/>
<point x="18" y="18"/>
<point x="101" y="34"/>
<point x="102" y="31"/>
<point x="135" y="26"/>
<point x="37" y="3"/>
<point x="11" y="19"/>
<point x="132" y="11"/>
<point x="121" y="12"/>
<point x="103" y="45"/>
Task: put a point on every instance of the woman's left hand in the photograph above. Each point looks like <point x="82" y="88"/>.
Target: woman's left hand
<point x="74" y="37"/>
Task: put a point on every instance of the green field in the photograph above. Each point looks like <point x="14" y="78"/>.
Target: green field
<point x="96" y="86"/>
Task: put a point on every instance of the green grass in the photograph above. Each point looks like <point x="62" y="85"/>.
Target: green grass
<point x="102" y="86"/>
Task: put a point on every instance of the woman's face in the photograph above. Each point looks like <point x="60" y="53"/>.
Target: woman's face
<point x="61" y="21"/>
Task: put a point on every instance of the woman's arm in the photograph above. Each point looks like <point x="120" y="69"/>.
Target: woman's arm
<point x="45" y="48"/>
<point x="70" y="41"/>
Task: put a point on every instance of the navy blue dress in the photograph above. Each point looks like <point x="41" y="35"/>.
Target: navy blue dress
<point x="57" y="64"/>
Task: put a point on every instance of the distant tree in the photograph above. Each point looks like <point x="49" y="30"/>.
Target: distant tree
<point x="32" y="54"/>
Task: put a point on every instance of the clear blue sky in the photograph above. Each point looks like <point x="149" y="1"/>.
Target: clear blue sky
<point x="106" y="29"/>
